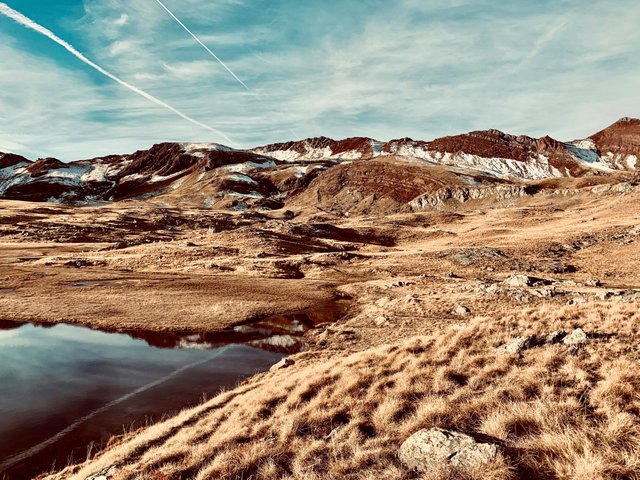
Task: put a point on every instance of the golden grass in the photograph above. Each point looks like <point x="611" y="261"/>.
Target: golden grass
<point x="558" y="415"/>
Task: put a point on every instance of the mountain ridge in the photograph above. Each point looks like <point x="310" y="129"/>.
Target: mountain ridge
<point x="167" y="166"/>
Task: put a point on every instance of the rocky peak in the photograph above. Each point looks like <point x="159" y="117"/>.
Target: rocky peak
<point x="43" y="165"/>
<point x="162" y="159"/>
<point x="621" y="137"/>
<point x="10" y="159"/>
<point x="320" y="148"/>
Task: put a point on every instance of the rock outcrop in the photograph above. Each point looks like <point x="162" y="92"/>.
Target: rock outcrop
<point x="427" y="449"/>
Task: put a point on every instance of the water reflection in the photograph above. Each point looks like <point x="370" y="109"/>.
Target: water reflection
<point x="63" y="387"/>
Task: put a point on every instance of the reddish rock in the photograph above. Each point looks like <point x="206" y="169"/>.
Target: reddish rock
<point x="621" y="137"/>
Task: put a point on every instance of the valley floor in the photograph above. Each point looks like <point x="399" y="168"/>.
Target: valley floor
<point x="432" y="296"/>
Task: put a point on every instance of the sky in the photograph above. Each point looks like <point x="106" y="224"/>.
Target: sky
<point x="304" y="68"/>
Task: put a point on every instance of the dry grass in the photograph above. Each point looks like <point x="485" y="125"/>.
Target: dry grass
<point x="557" y="415"/>
<point x="349" y="402"/>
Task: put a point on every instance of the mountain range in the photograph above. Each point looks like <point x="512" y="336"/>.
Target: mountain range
<point x="321" y="170"/>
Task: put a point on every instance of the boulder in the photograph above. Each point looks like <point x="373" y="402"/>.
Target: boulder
<point x="604" y="295"/>
<point x="577" y="337"/>
<point x="519" y="281"/>
<point x="516" y="346"/>
<point x="461" y="310"/>
<point x="555" y="337"/>
<point x="578" y="299"/>
<point x="284" y="363"/>
<point x="427" y="449"/>
<point x="381" y="321"/>
<point x="106" y="474"/>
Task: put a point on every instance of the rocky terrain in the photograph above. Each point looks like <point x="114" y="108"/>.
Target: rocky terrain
<point x="488" y="286"/>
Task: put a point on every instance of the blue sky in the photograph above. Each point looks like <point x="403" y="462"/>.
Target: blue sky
<point x="418" y="68"/>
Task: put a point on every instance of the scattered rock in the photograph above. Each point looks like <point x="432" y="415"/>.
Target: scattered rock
<point x="382" y="321"/>
<point x="631" y="296"/>
<point x="461" y="310"/>
<point x="470" y="256"/>
<point x="516" y="346"/>
<point x="593" y="283"/>
<point x="411" y="299"/>
<point x="519" y="281"/>
<point x="399" y="284"/>
<point x="547" y="292"/>
<point x="489" y="290"/>
<point x="604" y="295"/>
<point x="284" y="363"/>
<point x="577" y="337"/>
<point x="427" y="449"/>
<point x="555" y="337"/>
<point x="106" y="474"/>
<point x="578" y="299"/>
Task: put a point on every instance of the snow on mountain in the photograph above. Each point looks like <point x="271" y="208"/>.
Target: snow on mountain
<point x="322" y="148"/>
<point x="280" y="168"/>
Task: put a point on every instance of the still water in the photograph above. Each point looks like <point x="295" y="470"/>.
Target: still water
<point x="64" y="388"/>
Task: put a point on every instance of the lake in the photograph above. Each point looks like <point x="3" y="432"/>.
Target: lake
<point x="65" y="390"/>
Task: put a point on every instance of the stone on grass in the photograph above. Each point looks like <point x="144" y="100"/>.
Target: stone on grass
<point x="106" y="474"/>
<point x="577" y="337"/>
<point x="381" y="321"/>
<point x="427" y="449"/>
<point x="284" y="363"/>
<point x="517" y="345"/>
<point x="554" y="337"/>
<point x="519" y="281"/>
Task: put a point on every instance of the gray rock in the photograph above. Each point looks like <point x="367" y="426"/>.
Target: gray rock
<point x="577" y="337"/>
<point x="578" y="299"/>
<point x="548" y="292"/>
<point x="631" y="296"/>
<point x="427" y="449"/>
<point x="554" y="337"/>
<point x="284" y="363"/>
<point x="105" y="474"/>
<point x="519" y="281"/>
<point x="382" y="321"/>
<point x="604" y="295"/>
<point x="399" y="284"/>
<point x="516" y="346"/>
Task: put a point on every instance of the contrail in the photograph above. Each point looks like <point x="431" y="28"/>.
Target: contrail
<point x="203" y="45"/>
<point x="53" y="439"/>
<point x="27" y="22"/>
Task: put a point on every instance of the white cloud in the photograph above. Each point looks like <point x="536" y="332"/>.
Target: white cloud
<point x="121" y="46"/>
<point x="383" y="69"/>
<point x="122" y="20"/>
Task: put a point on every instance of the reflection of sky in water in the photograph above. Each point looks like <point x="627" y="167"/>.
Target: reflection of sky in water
<point x="50" y="377"/>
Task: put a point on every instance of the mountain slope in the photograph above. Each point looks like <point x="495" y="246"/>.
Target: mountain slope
<point x="222" y="177"/>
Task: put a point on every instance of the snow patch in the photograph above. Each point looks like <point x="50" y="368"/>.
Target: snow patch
<point x="99" y="172"/>
<point x="243" y="167"/>
<point x="231" y="193"/>
<point x="238" y="177"/>
<point x="132" y="177"/>
<point x="534" y="169"/>
<point x="211" y="147"/>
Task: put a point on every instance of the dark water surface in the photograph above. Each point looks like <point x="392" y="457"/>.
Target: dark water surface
<point x="63" y="387"/>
